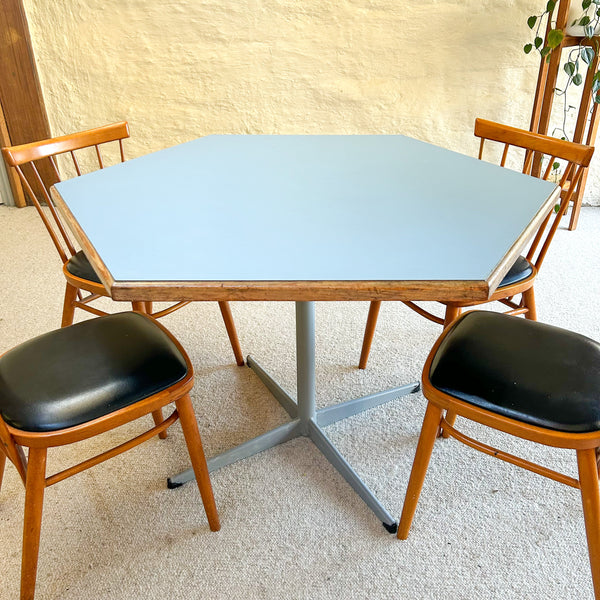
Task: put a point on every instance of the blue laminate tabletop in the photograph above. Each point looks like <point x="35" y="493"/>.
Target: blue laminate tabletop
<point x="290" y="208"/>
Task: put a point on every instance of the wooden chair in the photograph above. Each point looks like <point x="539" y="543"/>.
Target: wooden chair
<point x="528" y="379"/>
<point x="103" y="373"/>
<point x="77" y="270"/>
<point x="519" y="280"/>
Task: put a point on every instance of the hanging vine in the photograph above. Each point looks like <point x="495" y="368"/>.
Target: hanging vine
<point x="580" y="57"/>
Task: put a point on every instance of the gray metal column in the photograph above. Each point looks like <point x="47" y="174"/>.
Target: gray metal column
<point x="305" y="362"/>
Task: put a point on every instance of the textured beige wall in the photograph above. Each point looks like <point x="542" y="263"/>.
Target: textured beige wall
<point x="180" y="69"/>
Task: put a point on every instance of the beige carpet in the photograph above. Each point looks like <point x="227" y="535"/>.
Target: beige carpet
<point x="291" y="527"/>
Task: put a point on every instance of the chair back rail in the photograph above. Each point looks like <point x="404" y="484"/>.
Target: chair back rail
<point x="18" y="155"/>
<point x="23" y="159"/>
<point x="571" y="151"/>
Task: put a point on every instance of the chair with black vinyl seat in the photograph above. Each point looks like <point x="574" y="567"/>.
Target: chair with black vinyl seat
<point x="77" y="270"/>
<point x="78" y="382"/>
<point x="517" y="147"/>
<point x="532" y="380"/>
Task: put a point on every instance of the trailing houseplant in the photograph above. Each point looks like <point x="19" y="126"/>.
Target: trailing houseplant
<point x="584" y="23"/>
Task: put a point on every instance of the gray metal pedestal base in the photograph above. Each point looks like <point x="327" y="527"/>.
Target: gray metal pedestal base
<point x="307" y="421"/>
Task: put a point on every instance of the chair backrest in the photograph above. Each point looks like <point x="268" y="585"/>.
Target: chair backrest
<point x="26" y="155"/>
<point x="574" y="158"/>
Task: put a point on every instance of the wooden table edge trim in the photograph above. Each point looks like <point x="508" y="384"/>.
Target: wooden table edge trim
<point x="99" y="267"/>
<point x="515" y="250"/>
<point x="166" y="291"/>
<point x="299" y="290"/>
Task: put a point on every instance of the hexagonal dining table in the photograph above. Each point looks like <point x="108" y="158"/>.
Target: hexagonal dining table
<point x="304" y="218"/>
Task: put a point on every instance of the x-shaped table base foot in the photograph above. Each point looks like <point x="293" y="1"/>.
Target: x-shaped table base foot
<point x="306" y="421"/>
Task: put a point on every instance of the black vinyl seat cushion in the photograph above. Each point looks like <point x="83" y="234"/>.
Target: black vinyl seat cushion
<point x="524" y="370"/>
<point x="79" y="265"/>
<point x="521" y="270"/>
<point x="79" y="373"/>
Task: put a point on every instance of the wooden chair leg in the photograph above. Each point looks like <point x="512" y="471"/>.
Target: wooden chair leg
<point x="157" y="415"/>
<point x="69" y="305"/>
<point x="429" y="431"/>
<point x="450" y="419"/>
<point x="369" y="333"/>
<point x="452" y="313"/>
<point x="32" y="524"/>
<point x="231" y="332"/>
<point x="149" y="308"/>
<point x="529" y="303"/>
<point x="575" y="211"/>
<point x="2" y="465"/>
<point x="138" y="306"/>
<point x="196" y="452"/>
<point x="590" y="497"/>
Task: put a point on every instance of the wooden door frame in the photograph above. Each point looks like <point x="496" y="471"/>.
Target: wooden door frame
<point x="13" y="179"/>
<point x="23" y="116"/>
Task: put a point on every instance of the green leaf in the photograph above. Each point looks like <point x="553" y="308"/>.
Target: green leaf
<point x="527" y="48"/>
<point x="546" y="52"/>
<point x="587" y="55"/>
<point x="555" y="37"/>
<point x="578" y="79"/>
<point x="538" y="42"/>
<point x="584" y="21"/>
<point x="586" y="4"/>
<point x="555" y="166"/>
<point x="597" y="98"/>
<point x="569" y="68"/>
<point x="550" y="6"/>
<point x="532" y="21"/>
